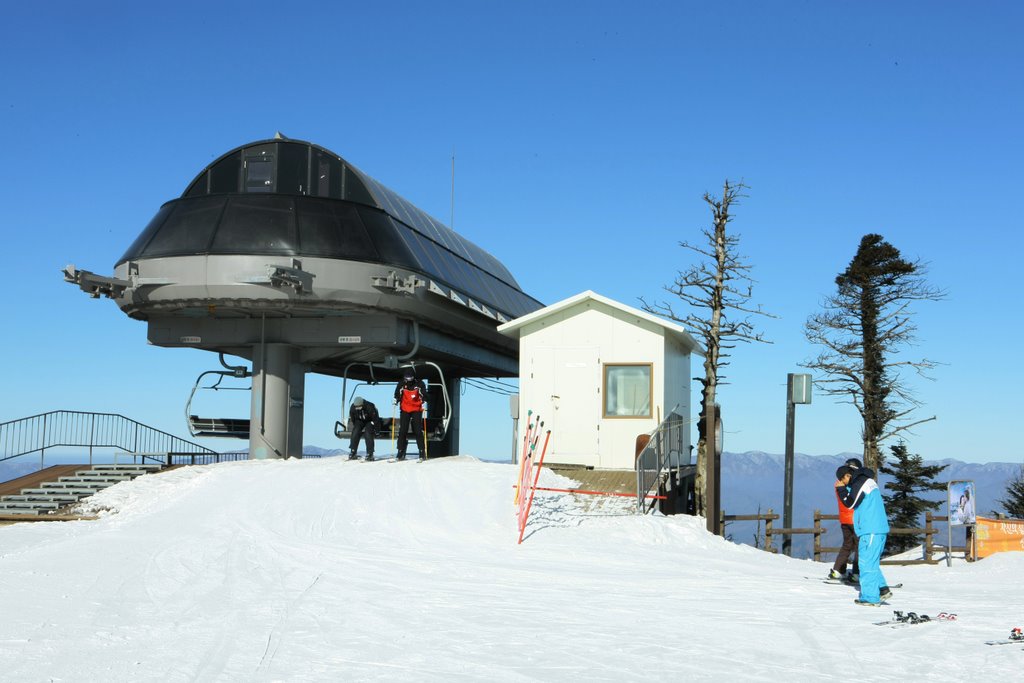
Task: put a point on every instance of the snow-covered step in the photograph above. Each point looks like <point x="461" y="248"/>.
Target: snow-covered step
<point x="109" y="475"/>
<point x="140" y="468"/>
<point x="91" y="479"/>
<point x="73" y="482"/>
<point x="56" y="493"/>
<point x="54" y="497"/>
<point x="19" y="511"/>
<point x="28" y="505"/>
<point x="82" y="490"/>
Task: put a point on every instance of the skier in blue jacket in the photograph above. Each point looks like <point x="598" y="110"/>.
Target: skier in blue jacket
<point x="871" y="525"/>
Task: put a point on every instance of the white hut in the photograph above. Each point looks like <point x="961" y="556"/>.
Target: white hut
<point x="600" y="373"/>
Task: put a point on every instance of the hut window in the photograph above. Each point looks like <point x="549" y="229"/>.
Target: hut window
<point x="627" y="390"/>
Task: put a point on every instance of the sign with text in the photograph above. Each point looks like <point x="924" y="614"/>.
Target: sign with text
<point x="998" y="535"/>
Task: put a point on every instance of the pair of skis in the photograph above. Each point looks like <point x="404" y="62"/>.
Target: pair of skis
<point x="852" y="584"/>
<point x="1016" y="637"/>
<point x="904" y="619"/>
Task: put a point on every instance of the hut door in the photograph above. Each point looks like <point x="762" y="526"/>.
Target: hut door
<point x="575" y="406"/>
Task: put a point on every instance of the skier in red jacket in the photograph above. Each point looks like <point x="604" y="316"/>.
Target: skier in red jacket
<point x="411" y="399"/>
<point x="838" y="570"/>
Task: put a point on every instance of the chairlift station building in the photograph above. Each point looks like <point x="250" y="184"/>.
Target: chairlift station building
<point x="283" y="253"/>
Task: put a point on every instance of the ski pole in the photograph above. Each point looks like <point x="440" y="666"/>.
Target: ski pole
<point x="426" y="439"/>
<point x="522" y="459"/>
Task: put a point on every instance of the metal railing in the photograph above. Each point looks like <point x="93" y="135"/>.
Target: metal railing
<point x="666" y="449"/>
<point x="71" y="428"/>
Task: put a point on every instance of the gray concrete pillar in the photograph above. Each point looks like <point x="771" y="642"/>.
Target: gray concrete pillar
<point x="278" y="391"/>
<point x="454" y="395"/>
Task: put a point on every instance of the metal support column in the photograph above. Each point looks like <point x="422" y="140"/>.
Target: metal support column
<point x="787" y="494"/>
<point x="278" y="384"/>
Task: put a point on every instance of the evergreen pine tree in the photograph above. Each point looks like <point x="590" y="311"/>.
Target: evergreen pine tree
<point x="862" y="330"/>
<point x="1013" y="504"/>
<point x="910" y="476"/>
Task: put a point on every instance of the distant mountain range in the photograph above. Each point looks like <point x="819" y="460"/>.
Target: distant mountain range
<point x="755" y="480"/>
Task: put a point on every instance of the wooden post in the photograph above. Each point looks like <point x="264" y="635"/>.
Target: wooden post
<point x="768" y="530"/>
<point x="713" y="468"/>
<point x="817" y="535"/>
<point x="928" y="531"/>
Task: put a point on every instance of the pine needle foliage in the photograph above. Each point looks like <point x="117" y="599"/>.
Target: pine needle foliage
<point x="910" y="476"/>
<point x="1013" y="503"/>
<point x="861" y="330"/>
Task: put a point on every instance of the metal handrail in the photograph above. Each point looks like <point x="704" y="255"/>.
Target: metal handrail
<point x="665" y="450"/>
<point x="63" y="428"/>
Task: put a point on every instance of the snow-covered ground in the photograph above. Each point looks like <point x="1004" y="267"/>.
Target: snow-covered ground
<point x="328" y="570"/>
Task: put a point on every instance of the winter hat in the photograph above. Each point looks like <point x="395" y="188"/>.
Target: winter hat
<point x="358" y="401"/>
<point x="842" y="472"/>
<point x="854" y="463"/>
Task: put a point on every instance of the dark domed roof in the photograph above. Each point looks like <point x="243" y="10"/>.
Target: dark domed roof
<point x="293" y="198"/>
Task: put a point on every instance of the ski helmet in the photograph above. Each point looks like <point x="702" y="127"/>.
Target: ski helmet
<point x="854" y="463"/>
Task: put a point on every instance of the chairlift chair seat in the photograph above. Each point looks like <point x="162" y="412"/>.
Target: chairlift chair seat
<point x="227" y="427"/>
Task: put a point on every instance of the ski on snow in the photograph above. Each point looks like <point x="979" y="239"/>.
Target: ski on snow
<point x="904" y="619"/>
<point x="841" y="582"/>
<point x="1016" y="638"/>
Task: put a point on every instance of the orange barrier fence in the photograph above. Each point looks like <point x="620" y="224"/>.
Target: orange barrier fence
<point x="998" y="535"/>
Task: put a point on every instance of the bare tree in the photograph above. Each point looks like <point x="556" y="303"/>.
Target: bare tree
<point x="861" y="329"/>
<point x="716" y="292"/>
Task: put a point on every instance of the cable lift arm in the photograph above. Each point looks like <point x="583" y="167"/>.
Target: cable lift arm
<point x="237" y="428"/>
<point x="95" y="285"/>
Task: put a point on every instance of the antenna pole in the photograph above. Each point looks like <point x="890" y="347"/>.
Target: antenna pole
<point x="452" y="221"/>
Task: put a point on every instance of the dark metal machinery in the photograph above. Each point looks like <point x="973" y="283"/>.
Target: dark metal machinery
<point x="284" y="254"/>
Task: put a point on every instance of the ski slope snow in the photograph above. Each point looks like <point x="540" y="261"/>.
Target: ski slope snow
<point x="329" y="570"/>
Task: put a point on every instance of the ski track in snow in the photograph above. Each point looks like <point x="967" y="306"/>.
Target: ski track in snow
<point x="334" y="570"/>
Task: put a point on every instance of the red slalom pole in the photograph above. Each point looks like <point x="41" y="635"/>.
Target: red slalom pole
<point x="533" y="489"/>
<point x="530" y="425"/>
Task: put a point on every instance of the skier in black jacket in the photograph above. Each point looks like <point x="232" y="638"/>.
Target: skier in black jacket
<point x="365" y="419"/>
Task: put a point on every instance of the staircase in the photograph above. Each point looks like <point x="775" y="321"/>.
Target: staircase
<point x="52" y="496"/>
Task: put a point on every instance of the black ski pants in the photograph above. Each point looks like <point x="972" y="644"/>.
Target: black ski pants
<point x="849" y="547"/>
<point x="360" y="429"/>
<point x="416" y="418"/>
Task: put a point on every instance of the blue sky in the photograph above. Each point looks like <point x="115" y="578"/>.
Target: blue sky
<point x="585" y="135"/>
